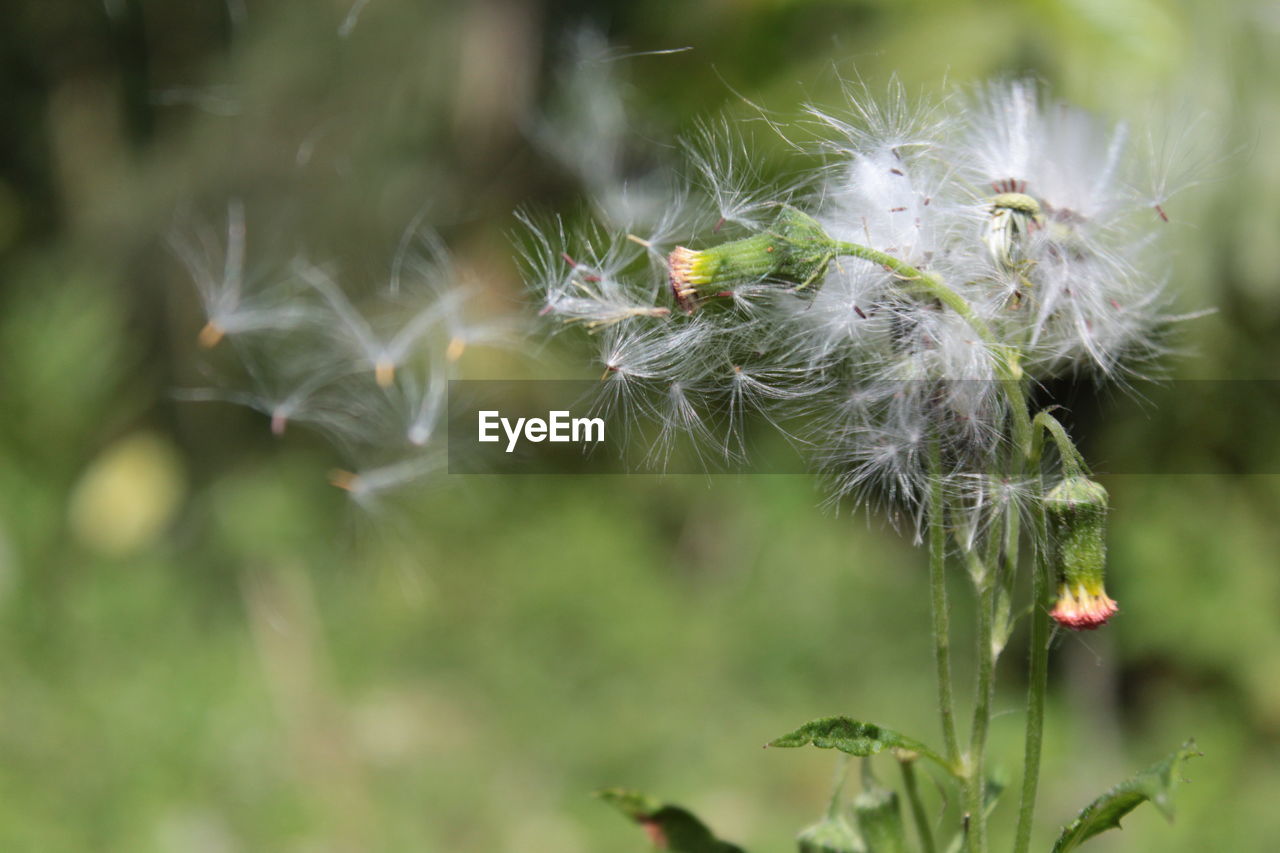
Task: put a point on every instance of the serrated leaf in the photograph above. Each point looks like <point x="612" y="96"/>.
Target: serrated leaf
<point x="1155" y="784"/>
<point x="855" y="738"/>
<point x="668" y="827"/>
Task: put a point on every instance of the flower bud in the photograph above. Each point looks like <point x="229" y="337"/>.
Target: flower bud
<point x="1077" y="509"/>
<point x="1013" y="215"/>
<point x="880" y="819"/>
<point x="833" y="834"/>
<point x="794" y="249"/>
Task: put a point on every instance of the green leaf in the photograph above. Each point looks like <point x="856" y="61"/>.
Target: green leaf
<point x="1155" y="784"/>
<point x="669" y="827"/>
<point x="855" y="738"/>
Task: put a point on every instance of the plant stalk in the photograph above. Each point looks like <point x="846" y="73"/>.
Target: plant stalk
<point x="940" y="610"/>
<point x="1036" y="689"/>
<point x="927" y="282"/>
<point x="1041" y="589"/>
<point x="918" y="814"/>
<point x="975" y="770"/>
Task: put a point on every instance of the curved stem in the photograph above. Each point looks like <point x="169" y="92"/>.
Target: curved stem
<point x="1008" y="368"/>
<point x="927" y="282"/>
<point x="1073" y="463"/>
<point x="940" y="610"/>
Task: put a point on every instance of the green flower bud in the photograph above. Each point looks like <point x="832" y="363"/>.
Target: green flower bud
<point x="1077" y="509"/>
<point x="794" y="249"/>
<point x="880" y="819"/>
<point x="833" y="834"/>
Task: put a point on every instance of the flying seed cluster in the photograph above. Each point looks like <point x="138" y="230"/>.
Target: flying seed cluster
<point x="371" y="375"/>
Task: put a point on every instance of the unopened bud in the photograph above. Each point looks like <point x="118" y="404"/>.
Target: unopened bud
<point x="880" y="819"/>
<point x="833" y="834"/>
<point x="794" y="249"/>
<point x="1077" y="509"/>
<point x="1013" y="215"/>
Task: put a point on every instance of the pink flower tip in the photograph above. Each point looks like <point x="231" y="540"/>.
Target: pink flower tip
<point x="1083" y="610"/>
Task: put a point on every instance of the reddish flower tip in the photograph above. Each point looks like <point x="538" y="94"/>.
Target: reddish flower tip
<point x="654" y="830"/>
<point x="1083" y="610"/>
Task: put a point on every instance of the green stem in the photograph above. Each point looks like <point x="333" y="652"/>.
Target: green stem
<point x="975" y="769"/>
<point x="1037" y="684"/>
<point x="918" y="813"/>
<point x="1007" y="363"/>
<point x="940" y="610"/>
<point x="1025" y="442"/>
<point x="1023" y="433"/>
<point x="1012" y="544"/>
<point x="1073" y="463"/>
<point x="927" y="282"/>
<point x="837" y="788"/>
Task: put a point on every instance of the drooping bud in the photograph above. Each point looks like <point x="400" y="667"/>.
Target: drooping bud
<point x="833" y="834"/>
<point x="1077" y="509"/>
<point x="793" y="249"/>
<point x="880" y="820"/>
<point x="1012" y="217"/>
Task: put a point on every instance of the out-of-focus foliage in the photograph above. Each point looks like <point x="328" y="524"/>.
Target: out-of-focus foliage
<point x="203" y="647"/>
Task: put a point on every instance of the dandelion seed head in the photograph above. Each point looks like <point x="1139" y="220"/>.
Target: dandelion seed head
<point x="1020" y="207"/>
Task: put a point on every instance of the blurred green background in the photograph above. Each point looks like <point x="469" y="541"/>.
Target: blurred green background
<point x="203" y="647"/>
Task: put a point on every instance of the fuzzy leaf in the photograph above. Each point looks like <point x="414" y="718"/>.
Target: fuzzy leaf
<point x="855" y="738"/>
<point x="1155" y="784"/>
<point x="669" y="827"/>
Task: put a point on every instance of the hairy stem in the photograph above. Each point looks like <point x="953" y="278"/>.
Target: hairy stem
<point x="1037" y="687"/>
<point x="1023" y="432"/>
<point x="1072" y="462"/>
<point x="1007" y="362"/>
<point x="927" y="282"/>
<point x="1041" y="586"/>
<point x="1025" y="439"/>
<point x="940" y="610"/>
<point x="975" y="770"/>
<point x="918" y="814"/>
